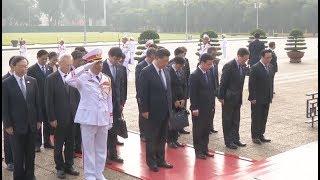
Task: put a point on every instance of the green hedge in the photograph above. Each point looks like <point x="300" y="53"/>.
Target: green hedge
<point x="24" y="29"/>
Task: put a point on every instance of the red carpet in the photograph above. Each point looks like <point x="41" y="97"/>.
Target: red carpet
<point x="186" y="166"/>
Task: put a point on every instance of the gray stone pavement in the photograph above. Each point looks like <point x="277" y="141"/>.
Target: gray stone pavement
<point x="286" y="125"/>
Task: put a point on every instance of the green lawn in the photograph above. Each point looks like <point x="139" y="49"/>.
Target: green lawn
<point x="77" y="37"/>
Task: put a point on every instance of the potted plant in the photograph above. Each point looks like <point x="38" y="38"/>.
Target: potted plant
<point x="14" y="43"/>
<point x="142" y="39"/>
<point x="263" y="36"/>
<point x="296" y="43"/>
<point x="213" y="42"/>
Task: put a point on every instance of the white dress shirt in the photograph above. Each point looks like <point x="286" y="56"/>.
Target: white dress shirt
<point x="163" y="76"/>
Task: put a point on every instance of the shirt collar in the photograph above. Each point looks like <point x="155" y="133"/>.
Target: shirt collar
<point x="157" y="69"/>
<point x="17" y="77"/>
<point x="109" y="63"/>
<point x="94" y="75"/>
<point x="147" y="61"/>
<point x="263" y="63"/>
<point x="174" y="67"/>
<point x="61" y="73"/>
<point x="201" y="70"/>
<point x="11" y="73"/>
<point x="40" y="65"/>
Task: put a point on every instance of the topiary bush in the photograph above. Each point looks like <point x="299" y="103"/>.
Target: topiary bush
<point x="263" y="36"/>
<point x="14" y="43"/>
<point x="295" y="43"/>
<point x="142" y="39"/>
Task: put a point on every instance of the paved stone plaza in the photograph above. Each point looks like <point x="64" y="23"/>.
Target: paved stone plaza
<point x="286" y="125"/>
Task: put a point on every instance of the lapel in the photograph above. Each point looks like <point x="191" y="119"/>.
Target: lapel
<point x="17" y="87"/>
<point x="107" y="69"/>
<point x="40" y="70"/>
<point x="266" y="74"/>
<point x="157" y="76"/>
<point x="28" y="86"/>
<point x="60" y="82"/>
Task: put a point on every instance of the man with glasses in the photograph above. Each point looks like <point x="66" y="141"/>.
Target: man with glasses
<point x="40" y="71"/>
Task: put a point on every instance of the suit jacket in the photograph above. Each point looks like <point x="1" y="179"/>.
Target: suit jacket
<point x="214" y="72"/>
<point x="18" y="112"/>
<point x="274" y="62"/>
<point x="201" y="93"/>
<point x="260" y="84"/>
<point x="255" y="48"/>
<point x="155" y="99"/>
<point x="139" y="68"/>
<point x="178" y="86"/>
<point x="123" y="84"/>
<point x="35" y="72"/>
<point x="231" y="83"/>
<point x="61" y="105"/>
<point x="116" y="90"/>
<point x="6" y="76"/>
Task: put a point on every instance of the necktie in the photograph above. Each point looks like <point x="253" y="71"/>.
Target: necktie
<point x="113" y="71"/>
<point x="98" y="78"/>
<point x="206" y="77"/>
<point x="266" y="67"/>
<point x="43" y="69"/>
<point x="162" y="80"/>
<point x="23" y="88"/>
<point x="240" y="69"/>
<point x="66" y="85"/>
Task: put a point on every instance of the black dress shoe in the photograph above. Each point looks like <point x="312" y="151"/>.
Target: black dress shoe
<point x="37" y="149"/>
<point x="182" y="131"/>
<point x="240" y="144"/>
<point x="256" y="141"/>
<point x="265" y="140"/>
<point x="72" y="172"/>
<point x="61" y="174"/>
<point x="119" y="143"/>
<point x="48" y="146"/>
<point x="179" y="144"/>
<point x="154" y="168"/>
<point x="200" y="156"/>
<point x="213" y="131"/>
<point x="172" y="145"/>
<point x="232" y="146"/>
<point x="116" y="159"/>
<point x="10" y="167"/>
<point x="165" y="165"/>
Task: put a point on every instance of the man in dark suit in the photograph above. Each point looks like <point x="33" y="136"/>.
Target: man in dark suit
<point x="214" y="72"/>
<point x="230" y="96"/>
<point x="40" y="71"/>
<point x="8" y="157"/>
<point x="111" y="68"/>
<point x="61" y="106"/>
<point x="178" y="91"/>
<point x="202" y="105"/>
<point x="77" y="62"/>
<point x="150" y="56"/>
<point x="255" y="48"/>
<point x="273" y="63"/>
<point x="260" y="96"/>
<point x="21" y="114"/>
<point x="156" y="108"/>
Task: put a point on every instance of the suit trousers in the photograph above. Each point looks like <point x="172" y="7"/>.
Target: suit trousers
<point x="7" y="148"/>
<point x="94" y="151"/>
<point x="259" y="116"/>
<point x="173" y="135"/>
<point x="230" y="123"/>
<point x="77" y="137"/>
<point x="200" y="131"/>
<point x="23" y="155"/>
<point x="141" y="124"/>
<point x="47" y="131"/>
<point x="155" y="140"/>
<point x="212" y="125"/>
<point x="64" y="136"/>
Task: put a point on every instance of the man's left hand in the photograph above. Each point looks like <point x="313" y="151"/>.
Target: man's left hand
<point x="39" y="125"/>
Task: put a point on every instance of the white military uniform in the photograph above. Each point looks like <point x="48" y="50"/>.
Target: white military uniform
<point x="132" y="47"/>
<point x="23" y="50"/>
<point x="224" y="48"/>
<point x="126" y="50"/>
<point x="204" y="48"/>
<point x="94" y="114"/>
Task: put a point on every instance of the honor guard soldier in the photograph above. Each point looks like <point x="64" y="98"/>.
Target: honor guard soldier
<point x="94" y="113"/>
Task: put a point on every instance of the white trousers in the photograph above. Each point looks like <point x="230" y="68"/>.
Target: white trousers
<point x="94" y="150"/>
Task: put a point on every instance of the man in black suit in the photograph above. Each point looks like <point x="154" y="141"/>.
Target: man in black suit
<point x="156" y="108"/>
<point x="21" y="114"/>
<point x="150" y="56"/>
<point x="178" y="91"/>
<point x="273" y="63"/>
<point x="61" y="106"/>
<point x="77" y="62"/>
<point x="8" y="157"/>
<point x="40" y="71"/>
<point x="214" y="72"/>
<point x="111" y="68"/>
<point x="202" y="105"/>
<point x="260" y="96"/>
<point x="230" y="96"/>
<point x="255" y="48"/>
